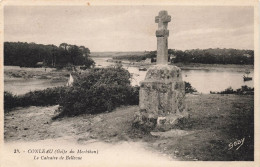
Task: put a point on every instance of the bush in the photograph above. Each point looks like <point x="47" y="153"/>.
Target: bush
<point x="10" y="100"/>
<point x="244" y="90"/>
<point x="229" y="90"/>
<point x="189" y="88"/>
<point x="98" y="91"/>
<point x="49" y="96"/>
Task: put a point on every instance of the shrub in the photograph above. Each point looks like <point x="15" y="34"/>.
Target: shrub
<point x="189" y="88"/>
<point x="49" y="96"/>
<point x="99" y="91"/>
<point x="229" y="90"/>
<point x="244" y="90"/>
<point x="10" y="100"/>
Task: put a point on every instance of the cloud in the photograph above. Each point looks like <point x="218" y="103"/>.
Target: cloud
<point x="130" y="28"/>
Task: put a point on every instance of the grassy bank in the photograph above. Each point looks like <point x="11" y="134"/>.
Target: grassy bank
<point x="215" y="122"/>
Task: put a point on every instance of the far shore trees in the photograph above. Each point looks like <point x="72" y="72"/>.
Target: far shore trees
<point x="29" y="54"/>
<point x="203" y="56"/>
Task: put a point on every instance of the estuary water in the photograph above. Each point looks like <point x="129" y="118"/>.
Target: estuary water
<point x="203" y="81"/>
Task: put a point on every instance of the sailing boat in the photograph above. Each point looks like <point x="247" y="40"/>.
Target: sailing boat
<point x="247" y="78"/>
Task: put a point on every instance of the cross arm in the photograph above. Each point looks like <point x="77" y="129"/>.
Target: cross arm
<point x="164" y="19"/>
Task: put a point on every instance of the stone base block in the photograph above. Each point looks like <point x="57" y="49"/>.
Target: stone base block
<point x="161" y="98"/>
<point x="153" y="122"/>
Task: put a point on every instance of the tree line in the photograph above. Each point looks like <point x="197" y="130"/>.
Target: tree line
<point x="30" y="54"/>
<point x="213" y="56"/>
<point x="204" y="56"/>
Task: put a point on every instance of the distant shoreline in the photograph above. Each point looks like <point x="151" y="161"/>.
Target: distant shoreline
<point x="217" y="67"/>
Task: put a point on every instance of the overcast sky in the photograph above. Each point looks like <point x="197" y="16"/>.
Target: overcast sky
<point x="131" y="28"/>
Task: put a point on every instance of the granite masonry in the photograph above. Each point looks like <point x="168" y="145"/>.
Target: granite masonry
<point x="162" y="93"/>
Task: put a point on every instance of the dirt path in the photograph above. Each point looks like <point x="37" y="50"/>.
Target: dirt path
<point x="32" y="127"/>
<point x="35" y="123"/>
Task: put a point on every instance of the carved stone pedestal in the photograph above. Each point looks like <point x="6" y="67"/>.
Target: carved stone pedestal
<point x="161" y="98"/>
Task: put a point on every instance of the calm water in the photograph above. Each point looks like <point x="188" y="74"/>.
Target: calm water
<point x="203" y="81"/>
<point x="22" y="86"/>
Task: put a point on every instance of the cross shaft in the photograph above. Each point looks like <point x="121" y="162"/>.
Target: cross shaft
<point x="162" y="36"/>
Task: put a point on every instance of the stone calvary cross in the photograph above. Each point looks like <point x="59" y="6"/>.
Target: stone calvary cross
<point x="162" y="36"/>
<point x="162" y="92"/>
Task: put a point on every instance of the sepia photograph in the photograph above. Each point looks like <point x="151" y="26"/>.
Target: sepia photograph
<point x="132" y="85"/>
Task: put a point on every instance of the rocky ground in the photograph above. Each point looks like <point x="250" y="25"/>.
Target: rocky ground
<point x="215" y="122"/>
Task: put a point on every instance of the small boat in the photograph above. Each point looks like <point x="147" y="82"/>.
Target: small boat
<point x="247" y="78"/>
<point x="142" y="69"/>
